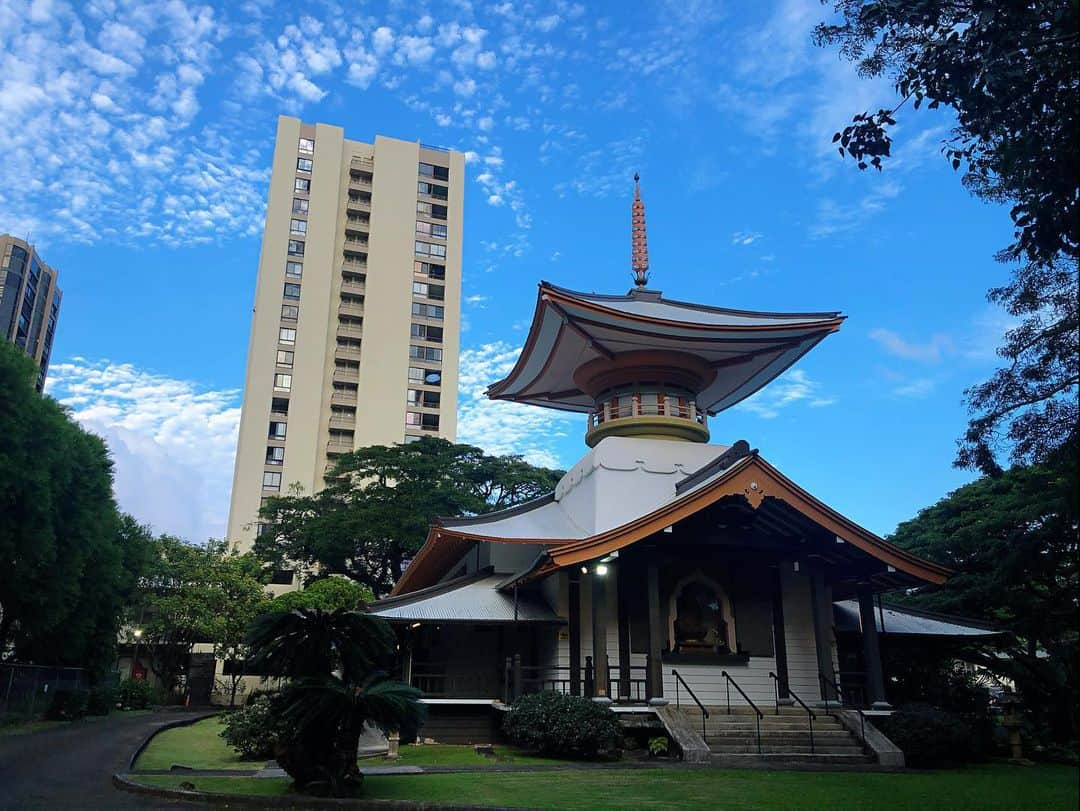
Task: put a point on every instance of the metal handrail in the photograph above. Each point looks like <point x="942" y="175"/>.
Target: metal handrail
<point x="759" y="714"/>
<point x="809" y="712"/>
<point x="839" y="692"/>
<point x="704" y="712"/>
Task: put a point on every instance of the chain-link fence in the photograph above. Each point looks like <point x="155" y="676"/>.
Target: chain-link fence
<point x="27" y="690"/>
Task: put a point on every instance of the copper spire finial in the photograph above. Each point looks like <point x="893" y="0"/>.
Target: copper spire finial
<point x="639" y="245"/>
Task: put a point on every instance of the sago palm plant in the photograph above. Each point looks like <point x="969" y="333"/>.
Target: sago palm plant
<point x="333" y="663"/>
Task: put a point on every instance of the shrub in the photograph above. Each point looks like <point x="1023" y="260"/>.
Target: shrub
<point x="67" y="705"/>
<point x="255" y="730"/>
<point x="569" y="726"/>
<point x="930" y="737"/>
<point x="136" y="694"/>
<point x="659" y="746"/>
<point x="101" y="700"/>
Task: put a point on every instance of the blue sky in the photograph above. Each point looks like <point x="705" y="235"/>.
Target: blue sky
<point x="137" y="145"/>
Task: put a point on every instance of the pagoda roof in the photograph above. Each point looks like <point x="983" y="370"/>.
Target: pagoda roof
<point x="747" y="349"/>
<point x="623" y="492"/>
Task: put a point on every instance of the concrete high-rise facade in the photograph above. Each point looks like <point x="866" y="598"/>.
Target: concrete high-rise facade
<point x="354" y="337"/>
<point x="29" y="301"/>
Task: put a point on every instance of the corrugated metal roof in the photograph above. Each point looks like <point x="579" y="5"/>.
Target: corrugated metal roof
<point x="912" y="623"/>
<point x="474" y="598"/>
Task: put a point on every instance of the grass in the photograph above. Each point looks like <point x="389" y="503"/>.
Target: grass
<point x="438" y="754"/>
<point x="198" y="746"/>
<point x="996" y="786"/>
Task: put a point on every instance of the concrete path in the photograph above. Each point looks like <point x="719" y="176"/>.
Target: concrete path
<point x="72" y="767"/>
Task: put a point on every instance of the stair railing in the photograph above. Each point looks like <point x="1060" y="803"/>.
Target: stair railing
<point x="826" y="681"/>
<point x="758" y="713"/>
<point x="810" y="717"/>
<point x="704" y="712"/>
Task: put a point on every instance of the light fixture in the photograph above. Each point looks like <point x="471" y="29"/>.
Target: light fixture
<point x="584" y="569"/>
<point x="138" y="633"/>
<point x="601" y="569"/>
<point x="415" y="625"/>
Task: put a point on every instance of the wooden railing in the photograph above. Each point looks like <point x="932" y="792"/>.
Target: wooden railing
<point x="614" y="409"/>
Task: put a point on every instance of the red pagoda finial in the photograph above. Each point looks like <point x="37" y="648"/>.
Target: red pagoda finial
<point x="639" y="244"/>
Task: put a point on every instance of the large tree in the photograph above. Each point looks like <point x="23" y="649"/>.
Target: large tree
<point x="375" y="510"/>
<point x="68" y="559"/>
<point x="1008" y="70"/>
<point x="1013" y="541"/>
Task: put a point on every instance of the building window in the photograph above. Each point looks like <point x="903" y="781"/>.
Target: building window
<point x="433" y="190"/>
<point x="271" y="480"/>
<point x="296" y="247"/>
<point x="284" y="358"/>
<point x="286" y="335"/>
<point x="412" y="418"/>
<point x="430" y="269"/>
<point x="437" y="172"/>
<point x="291" y="290"/>
<point x="431" y="229"/>
<point x="425" y="290"/>
<point x="418" y="397"/>
<point x="290" y="312"/>
<point x="429" y="353"/>
<point x="428" y="249"/>
<point x="298" y="226"/>
<point x="410" y="439"/>
<point x="302" y="185"/>
<point x="277" y="430"/>
<point x="433" y="210"/>
<point x="303" y="164"/>
<point x="283" y="382"/>
<point x="429" y="422"/>
<point x="433" y="311"/>
<point x="294" y="268"/>
<point x="299" y="205"/>
<point x="275" y="455"/>
<point x="281" y="577"/>
<point x="425" y="332"/>
<point x="306" y="145"/>
<point x="413" y="397"/>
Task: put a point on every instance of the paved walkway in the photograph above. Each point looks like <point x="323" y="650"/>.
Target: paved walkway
<point x="72" y="767"/>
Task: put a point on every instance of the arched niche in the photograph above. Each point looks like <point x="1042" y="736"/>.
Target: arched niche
<point x="700" y="619"/>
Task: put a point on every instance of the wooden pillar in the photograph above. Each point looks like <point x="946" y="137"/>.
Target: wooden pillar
<point x="654" y="676"/>
<point x="574" y="598"/>
<point x="599" y="637"/>
<point x="822" y="613"/>
<point x="875" y="681"/>
<point x="623" y="595"/>
<point x="779" y="638"/>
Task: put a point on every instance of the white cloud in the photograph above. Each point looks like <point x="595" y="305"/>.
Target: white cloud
<point x="929" y="351"/>
<point x="794" y="387"/>
<point x="745" y="237"/>
<point x="173" y="442"/>
<point x="501" y="427"/>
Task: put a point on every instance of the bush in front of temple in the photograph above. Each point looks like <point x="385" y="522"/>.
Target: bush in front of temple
<point x="255" y="730"/>
<point x="565" y="726"/>
<point x="930" y="737"/>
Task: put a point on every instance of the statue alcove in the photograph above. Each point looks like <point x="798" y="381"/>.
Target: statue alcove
<point x="700" y="619"/>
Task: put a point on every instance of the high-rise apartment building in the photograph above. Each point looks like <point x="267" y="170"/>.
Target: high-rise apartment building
<point x="354" y="338"/>
<point x="29" y="301"/>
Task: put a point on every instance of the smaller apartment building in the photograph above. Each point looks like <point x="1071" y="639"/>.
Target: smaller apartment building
<point x="29" y="301"/>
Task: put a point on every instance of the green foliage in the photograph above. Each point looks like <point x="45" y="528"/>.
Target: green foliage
<point x="335" y="686"/>
<point x="930" y="738"/>
<point x="327" y="594"/>
<point x="136" y="694"/>
<point x="102" y="700"/>
<point x="379" y="502"/>
<point x="255" y="730"/>
<point x="659" y="746"/>
<point x="552" y="723"/>
<point x="67" y="705"/>
<point x="1013" y="541"/>
<point x="195" y="594"/>
<point x="70" y="560"/>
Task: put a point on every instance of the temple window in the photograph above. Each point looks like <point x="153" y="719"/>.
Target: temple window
<point x="700" y="618"/>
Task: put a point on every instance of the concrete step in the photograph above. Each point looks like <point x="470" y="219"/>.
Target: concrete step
<point x="743" y="760"/>
<point x="784" y="737"/>
<point x="750" y="748"/>
<point x="721" y="726"/>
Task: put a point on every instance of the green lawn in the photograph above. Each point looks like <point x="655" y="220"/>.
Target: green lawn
<point x="198" y="746"/>
<point x="439" y="754"/>
<point x="997" y="786"/>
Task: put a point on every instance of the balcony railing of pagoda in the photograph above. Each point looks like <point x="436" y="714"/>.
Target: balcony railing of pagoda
<point x="618" y="409"/>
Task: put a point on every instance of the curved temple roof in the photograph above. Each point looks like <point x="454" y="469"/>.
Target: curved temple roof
<point x="569" y="329"/>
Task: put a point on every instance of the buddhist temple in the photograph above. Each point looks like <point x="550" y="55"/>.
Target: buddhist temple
<point x="665" y="568"/>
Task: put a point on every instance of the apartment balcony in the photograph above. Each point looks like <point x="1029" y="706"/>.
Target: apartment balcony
<point x="343" y="423"/>
<point x="363" y="164"/>
<point x="356" y="243"/>
<point x="359" y="203"/>
<point x="346" y="375"/>
<point x="344" y="331"/>
<point x="336" y="446"/>
<point x="347" y="353"/>
<point x="353" y="287"/>
<point x="343" y="397"/>
<point x="357" y="222"/>
<point x="352" y="264"/>
<point x="356" y="310"/>
<point x="359" y="181"/>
